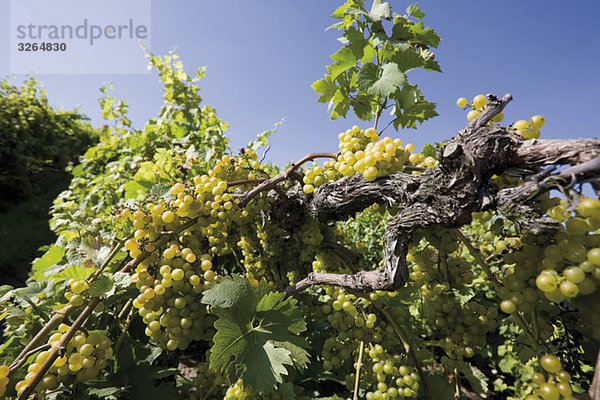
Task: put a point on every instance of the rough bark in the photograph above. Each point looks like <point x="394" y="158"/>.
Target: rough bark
<point x="446" y="195"/>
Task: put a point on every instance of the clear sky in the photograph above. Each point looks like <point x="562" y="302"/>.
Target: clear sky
<point x="262" y="56"/>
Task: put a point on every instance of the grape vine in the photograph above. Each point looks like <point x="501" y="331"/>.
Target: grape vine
<point x="189" y="270"/>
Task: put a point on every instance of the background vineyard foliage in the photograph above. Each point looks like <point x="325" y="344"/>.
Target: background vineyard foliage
<point x="183" y="140"/>
<point x="451" y="328"/>
<point x="35" y="137"/>
<point x="37" y="142"/>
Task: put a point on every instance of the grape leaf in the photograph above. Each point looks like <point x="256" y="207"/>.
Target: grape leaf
<point x="362" y="107"/>
<point x="429" y="151"/>
<point x="426" y="36"/>
<point x="341" y="104"/>
<point x="411" y="107"/>
<point x="341" y="10"/>
<point x="256" y="327"/>
<point x="408" y="59"/>
<point x="108" y="393"/>
<point x="133" y="189"/>
<point x="73" y="272"/>
<point x="50" y="258"/>
<point x="326" y="88"/>
<point x="122" y="280"/>
<point x="356" y="41"/>
<point x="101" y="286"/>
<point x="345" y="59"/>
<point x="379" y="11"/>
<point x="145" y="173"/>
<point x="477" y="379"/>
<point x="380" y="80"/>
<point x="262" y="139"/>
<point x="415" y="11"/>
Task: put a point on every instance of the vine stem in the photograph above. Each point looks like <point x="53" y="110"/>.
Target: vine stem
<point x="456" y="384"/>
<point x="518" y="318"/>
<point x="62" y="344"/>
<point x="209" y="391"/>
<point x="124" y="331"/>
<point x="245" y="182"/>
<point x="270" y="183"/>
<point x="358" y="366"/>
<point x="407" y="346"/>
<point x="56" y="319"/>
<point x="60" y="315"/>
<point x="475" y="254"/>
<point x="33" y="351"/>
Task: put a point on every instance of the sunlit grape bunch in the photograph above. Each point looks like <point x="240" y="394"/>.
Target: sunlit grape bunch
<point x="86" y="354"/>
<point x="553" y="383"/>
<point x="394" y="378"/>
<point x="175" y="273"/>
<point x="363" y="152"/>
<point x="528" y="130"/>
<point x="570" y="264"/>
<point x="531" y="129"/>
<point x="477" y="105"/>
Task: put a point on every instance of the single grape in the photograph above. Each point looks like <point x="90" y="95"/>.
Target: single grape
<point x="479" y="101"/>
<point x="537" y="121"/>
<point x="461" y="102"/>
<point x="472" y="114"/>
<point x="521" y="124"/>
<point x="550" y="363"/>
<point x="546" y="282"/>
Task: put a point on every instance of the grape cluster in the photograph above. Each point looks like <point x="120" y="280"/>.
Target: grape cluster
<point x="528" y="130"/>
<point x="207" y="382"/>
<point x="394" y="378"/>
<point x="553" y="383"/>
<point x="169" y="299"/>
<point x="172" y="278"/>
<point x="517" y="291"/>
<point x="457" y="325"/>
<point x="385" y="374"/>
<point x="461" y="328"/>
<point x="85" y="356"/>
<point x="477" y="105"/>
<point x="361" y="151"/>
<point x="531" y="129"/>
<point x="571" y="263"/>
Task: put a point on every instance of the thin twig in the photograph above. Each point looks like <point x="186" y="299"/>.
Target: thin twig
<point x="112" y="254"/>
<point x="289" y="173"/>
<point x="124" y="331"/>
<point x="477" y="256"/>
<point x="56" y="319"/>
<point x="358" y="366"/>
<point x="26" y="356"/>
<point x="65" y="339"/>
<point x="387" y="125"/>
<point x="245" y="182"/>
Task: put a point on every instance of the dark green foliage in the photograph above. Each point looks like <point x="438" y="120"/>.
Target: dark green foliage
<point x="35" y="137"/>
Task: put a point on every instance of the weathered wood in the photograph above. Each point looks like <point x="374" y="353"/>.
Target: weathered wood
<point x="446" y="195"/>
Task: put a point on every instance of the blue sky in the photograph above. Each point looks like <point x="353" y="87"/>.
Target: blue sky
<point x="262" y="57"/>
